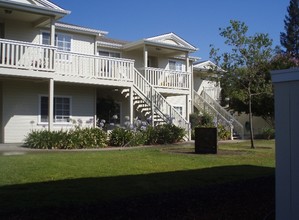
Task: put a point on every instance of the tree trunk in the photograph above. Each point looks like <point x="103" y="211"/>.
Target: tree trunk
<point x="250" y="123"/>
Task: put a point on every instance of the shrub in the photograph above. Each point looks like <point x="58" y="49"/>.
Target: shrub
<point x="87" y="138"/>
<point x="169" y="133"/>
<point x="223" y="133"/>
<point x="120" y="137"/>
<point x="73" y="139"/>
<point x="268" y="133"/>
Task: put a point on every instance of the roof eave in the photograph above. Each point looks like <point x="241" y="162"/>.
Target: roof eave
<point x="57" y="13"/>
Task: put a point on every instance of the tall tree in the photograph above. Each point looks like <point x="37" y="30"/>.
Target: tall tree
<point x="244" y="76"/>
<point x="290" y="38"/>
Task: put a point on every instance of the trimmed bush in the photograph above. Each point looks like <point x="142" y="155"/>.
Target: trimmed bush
<point x="72" y="139"/>
<point x="169" y="134"/>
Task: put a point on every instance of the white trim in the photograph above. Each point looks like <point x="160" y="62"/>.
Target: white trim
<point x="54" y="123"/>
<point x="79" y="29"/>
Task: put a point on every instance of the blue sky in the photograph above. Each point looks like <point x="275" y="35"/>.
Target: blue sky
<point x="196" y="21"/>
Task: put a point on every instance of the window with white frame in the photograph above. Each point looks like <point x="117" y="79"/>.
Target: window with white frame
<point x="176" y="65"/>
<point x="109" y="54"/>
<point x="179" y="109"/>
<point x="62" y="41"/>
<point x="62" y="109"/>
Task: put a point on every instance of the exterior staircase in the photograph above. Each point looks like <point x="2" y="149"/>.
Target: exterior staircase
<point x="153" y="105"/>
<point x="204" y="102"/>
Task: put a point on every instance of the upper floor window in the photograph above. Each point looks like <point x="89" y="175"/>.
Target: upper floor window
<point x="62" y="41"/>
<point x="176" y="65"/>
<point x="109" y="54"/>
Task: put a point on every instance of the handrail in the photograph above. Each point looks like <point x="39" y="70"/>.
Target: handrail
<point x="238" y="127"/>
<point x="201" y="103"/>
<point x="161" y="105"/>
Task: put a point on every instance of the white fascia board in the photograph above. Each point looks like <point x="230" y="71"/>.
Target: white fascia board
<point x="109" y="45"/>
<point x="78" y="29"/>
<point x="59" y="13"/>
<point x="285" y="75"/>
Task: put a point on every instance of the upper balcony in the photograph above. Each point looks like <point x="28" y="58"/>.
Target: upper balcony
<point x="43" y="58"/>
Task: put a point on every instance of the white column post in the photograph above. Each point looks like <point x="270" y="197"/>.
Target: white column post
<point x="131" y="105"/>
<point x="145" y="54"/>
<point x="95" y="109"/>
<point x="51" y="105"/>
<point x="52" y="32"/>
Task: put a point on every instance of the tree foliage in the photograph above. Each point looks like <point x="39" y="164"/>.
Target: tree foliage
<point x="245" y="78"/>
<point x="290" y="38"/>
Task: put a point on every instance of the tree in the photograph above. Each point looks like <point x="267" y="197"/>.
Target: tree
<point x="244" y="77"/>
<point x="290" y="38"/>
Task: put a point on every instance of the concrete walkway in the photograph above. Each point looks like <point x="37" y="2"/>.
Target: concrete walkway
<point x="18" y="148"/>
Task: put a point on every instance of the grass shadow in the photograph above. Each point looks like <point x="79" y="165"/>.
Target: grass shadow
<point x="120" y="197"/>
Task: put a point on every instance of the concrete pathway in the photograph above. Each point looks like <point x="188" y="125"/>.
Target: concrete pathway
<point x="19" y="149"/>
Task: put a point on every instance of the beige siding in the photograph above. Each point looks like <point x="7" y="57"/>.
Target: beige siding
<point x="21" y="31"/>
<point x="178" y="101"/>
<point x="83" y="43"/>
<point x="21" y="107"/>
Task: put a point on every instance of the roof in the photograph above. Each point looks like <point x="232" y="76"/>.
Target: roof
<point x="111" y="43"/>
<point x="204" y="65"/>
<point x="170" y="40"/>
<point x="37" y="6"/>
<point x="80" y="29"/>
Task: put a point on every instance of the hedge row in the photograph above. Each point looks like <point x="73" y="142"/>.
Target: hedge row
<point x="79" y="138"/>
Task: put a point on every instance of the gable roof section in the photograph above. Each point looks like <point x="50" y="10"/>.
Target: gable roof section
<point x="206" y="66"/>
<point x="170" y="40"/>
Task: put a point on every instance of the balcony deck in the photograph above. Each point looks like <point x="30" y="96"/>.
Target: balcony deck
<point x="53" y="62"/>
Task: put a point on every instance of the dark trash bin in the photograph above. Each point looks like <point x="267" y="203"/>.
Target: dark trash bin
<point x="205" y="140"/>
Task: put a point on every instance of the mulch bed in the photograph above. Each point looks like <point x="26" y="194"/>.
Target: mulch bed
<point x="250" y="199"/>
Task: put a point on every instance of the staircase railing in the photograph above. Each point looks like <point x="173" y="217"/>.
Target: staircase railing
<point x="201" y="104"/>
<point x="153" y="98"/>
<point x="237" y="126"/>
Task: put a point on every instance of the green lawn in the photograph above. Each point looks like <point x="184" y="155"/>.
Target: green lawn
<point x="51" y="179"/>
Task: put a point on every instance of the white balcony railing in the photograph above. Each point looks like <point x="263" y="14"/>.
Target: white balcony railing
<point x="167" y="78"/>
<point x="91" y="66"/>
<point x="22" y="55"/>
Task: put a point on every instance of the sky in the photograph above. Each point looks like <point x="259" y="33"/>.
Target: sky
<point x="196" y="21"/>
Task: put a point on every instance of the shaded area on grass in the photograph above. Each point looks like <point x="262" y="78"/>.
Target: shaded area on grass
<point x="171" y="195"/>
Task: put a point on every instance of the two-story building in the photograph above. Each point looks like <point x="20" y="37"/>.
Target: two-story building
<point x="54" y="74"/>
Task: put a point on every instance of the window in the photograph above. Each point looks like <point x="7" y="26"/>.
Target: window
<point x="175" y="65"/>
<point x="62" y="41"/>
<point x="179" y="109"/>
<point x="109" y="54"/>
<point x="62" y="109"/>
